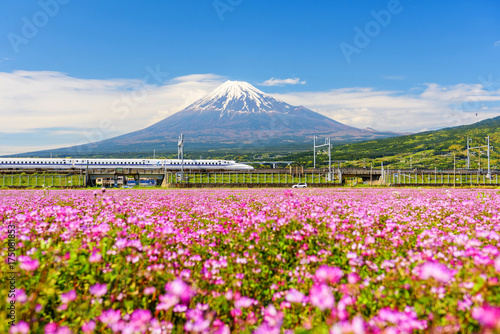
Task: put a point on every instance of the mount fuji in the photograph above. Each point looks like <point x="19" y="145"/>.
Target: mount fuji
<point x="234" y="115"/>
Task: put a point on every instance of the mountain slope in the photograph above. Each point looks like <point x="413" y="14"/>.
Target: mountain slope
<point x="235" y="115"/>
<point x="442" y="141"/>
<point x="237" y="112"/>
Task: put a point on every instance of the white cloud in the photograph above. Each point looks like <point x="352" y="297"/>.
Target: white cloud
<point x="41" y="110"/>
<point x="433" y="107"/>
<point x="497" y="43"/>
<point x="84" y="110"/>
<point x="282" y="82"/>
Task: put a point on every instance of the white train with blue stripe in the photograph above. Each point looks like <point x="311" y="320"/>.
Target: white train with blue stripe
<point x="168" y="164"/>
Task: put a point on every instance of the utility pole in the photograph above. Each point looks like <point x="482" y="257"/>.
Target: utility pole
<point x="314" y="143"/>
<point x="371" y="172"/>
<point x="454" y="171"/>
<point x="382" y="176"/>
<point x="479" y="168"/>
<point x="469" y="140"/>
<point x="180" y="154"/>
<point x="489" y="170"/>
<point x="154" y="154"/>
<point x="329" y="160"/>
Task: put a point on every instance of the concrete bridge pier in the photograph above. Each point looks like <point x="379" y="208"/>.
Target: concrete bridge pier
<point x="164" y="182"/>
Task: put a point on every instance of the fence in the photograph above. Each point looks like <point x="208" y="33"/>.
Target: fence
<point x="462" y="178"/>
<point x="36" y="180"/>
<point x="250" y="178"/>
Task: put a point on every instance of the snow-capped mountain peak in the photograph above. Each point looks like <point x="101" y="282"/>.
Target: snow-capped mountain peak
<point x="239" y="97"/>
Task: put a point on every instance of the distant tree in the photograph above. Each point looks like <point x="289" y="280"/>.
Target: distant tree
<point x="455" y="148"/>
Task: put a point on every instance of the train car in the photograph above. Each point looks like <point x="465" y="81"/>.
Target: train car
<point x="80" y="164"/>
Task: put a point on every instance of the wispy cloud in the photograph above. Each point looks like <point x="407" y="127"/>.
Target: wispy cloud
<point x="40" y="110"/>
<point x="497" y="43"/>
<point x="282" y="82"/>
<point x="432" y="107"/>
<point x="85" y="110"/>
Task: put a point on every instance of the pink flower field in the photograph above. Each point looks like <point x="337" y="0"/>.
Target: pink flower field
<point x="251" y="261"/>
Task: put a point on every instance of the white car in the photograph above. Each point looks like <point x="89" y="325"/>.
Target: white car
<point x="300" y="185"/>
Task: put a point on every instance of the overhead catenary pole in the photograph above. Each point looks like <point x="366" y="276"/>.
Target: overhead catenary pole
<point x="314" y="143"/>
<point x="454" y="171"/>
<point x="327" y="143"/>
<point x="180" y="154"/>
<point x="329" y="160"/>
<point x="488" y="150"/>
<point x="489" y="170"/>
<point x="469" y="140"/>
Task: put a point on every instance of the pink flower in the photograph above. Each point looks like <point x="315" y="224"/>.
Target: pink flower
<point x="110" y="317"/>
<point x="353" y="278"/>
<point x="497" y="264"/>
<point x="437" y="271"/>
<point x="321" y="296"/>
<point x="68" y="296"/>
<point x="406" y="321"/>
<point x="167" y="301"/>
<point x="20" y="296"/>
<point x="180" y="308"/>
<point x="326" y="274"/>
<point x="149" y="290"/>
<point x="487" y="316"/>
<point x="244" y="302"/>
<point x="50" y="328"/>
<point x="88" y="327"/>
<point x="98" y="290"/>
<point x="358" y="325"/>
<point x="224" y="329"/>
<point x="294" y="296"/>
<point x="64" y="330"/>
<point x="95" y="257"/>
<point x="235" y="312"/>
<point x="21" y="327"/>
<point x="29" y="264"/>
<point x="63" y="307"/>
<point x="273" y="317"/>
<point x="196" y="322"/>
<point x="370" y="240"/>
<point x="229" y="294"/>
<point x="141" y="317"/>
<point x="180" y="289"/>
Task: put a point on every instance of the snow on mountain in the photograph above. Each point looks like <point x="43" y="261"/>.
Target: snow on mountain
<point x="239" y="97"/>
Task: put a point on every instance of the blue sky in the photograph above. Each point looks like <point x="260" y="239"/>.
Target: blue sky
<point x="426" y="60"/>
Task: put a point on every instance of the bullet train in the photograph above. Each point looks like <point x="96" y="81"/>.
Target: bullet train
<point x="168" y="164"/>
